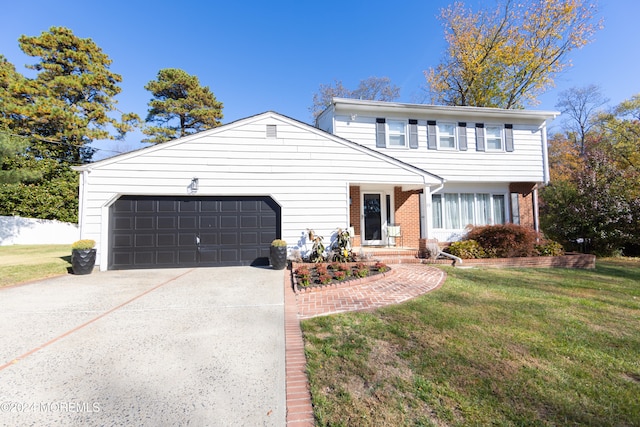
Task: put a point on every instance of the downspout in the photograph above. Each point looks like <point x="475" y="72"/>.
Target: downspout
<point x="545" y="154"/>
<point x="82" y="194"/>
<point x="536" y="213"/>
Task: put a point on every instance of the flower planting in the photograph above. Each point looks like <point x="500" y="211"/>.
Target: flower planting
<point x="321" y="274"/>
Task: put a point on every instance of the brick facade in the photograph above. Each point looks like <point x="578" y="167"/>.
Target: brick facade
<point x="525" y="202"/>
<point x="407" y="215"/>
<point x="354" y="214"/>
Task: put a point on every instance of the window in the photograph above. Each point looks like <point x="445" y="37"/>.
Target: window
<point x="446" y="135"/>
<point x="397" y="133"/>
<point x="498" y="209"/>
<point x="456" y="211"/>
<point x="436" y="208"/>
<point x="466" y="209"/>
<point x="451" y="211"/>
<point x="494" y="137"/>
<point x="484" y="209"/>
<point x="515" y="208"/>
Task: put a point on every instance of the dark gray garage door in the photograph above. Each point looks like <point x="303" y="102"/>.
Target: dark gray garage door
<point x="156" y="232"/>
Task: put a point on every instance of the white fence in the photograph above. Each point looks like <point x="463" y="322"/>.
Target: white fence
<point x="15" y="230"/>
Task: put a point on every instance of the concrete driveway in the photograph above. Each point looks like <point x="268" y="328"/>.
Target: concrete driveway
<point x="198" y="346"/>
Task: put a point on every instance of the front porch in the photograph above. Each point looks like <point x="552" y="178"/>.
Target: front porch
<point x="385" y="219"/>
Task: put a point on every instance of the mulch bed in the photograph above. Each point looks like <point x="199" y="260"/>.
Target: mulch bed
<point x="309" y="276"/>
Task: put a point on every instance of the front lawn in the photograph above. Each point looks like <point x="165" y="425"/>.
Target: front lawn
<point x="21" y="263"/>
<point x="491" y="347"/>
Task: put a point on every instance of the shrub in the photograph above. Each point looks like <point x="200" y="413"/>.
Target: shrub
<point x="341" y="247"/>
<point x="304" y="276"/>
<point x="550" y="248"/>
<point x="505" y="240"/>
<point x="466" y="249"/>
<point x="340" y="275"/>
<point x="381" y="267"/>
<point x="361" y="270"/>
<point x="321" y="269"/>
<point x="83" y="244"/>
<point x="278" y="243"/>
<point x="325" y="279"/>
<point x="317" y="250"/>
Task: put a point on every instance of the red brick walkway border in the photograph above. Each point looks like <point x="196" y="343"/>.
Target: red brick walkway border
<point x="408" y="281"/>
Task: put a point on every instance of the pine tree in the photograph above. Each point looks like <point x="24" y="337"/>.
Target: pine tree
<point x="180" y="106"/>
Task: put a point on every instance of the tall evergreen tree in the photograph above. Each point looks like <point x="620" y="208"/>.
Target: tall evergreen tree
<point x="70" y="101"/>
<point x="180" y="106"/>
<point x="12" y="166"/>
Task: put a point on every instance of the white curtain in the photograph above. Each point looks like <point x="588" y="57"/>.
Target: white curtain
<point x="466" y="209"/>
<point x="451" y="211"/>
<point x="484" y="209"/>
<point x="436" y="210"/>
<point x="498" y="209"/>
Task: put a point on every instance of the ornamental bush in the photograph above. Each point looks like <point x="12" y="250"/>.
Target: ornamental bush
<point x="505" y="240"/>
<point x="466" y="249"/>
<point x="549" y="248"/>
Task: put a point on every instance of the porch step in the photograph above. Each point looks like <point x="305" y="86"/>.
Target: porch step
<point x="388" y="255"/>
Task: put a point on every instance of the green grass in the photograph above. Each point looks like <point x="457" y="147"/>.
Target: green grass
<point x="491" y="347"/>
<point x="22" y="263"/>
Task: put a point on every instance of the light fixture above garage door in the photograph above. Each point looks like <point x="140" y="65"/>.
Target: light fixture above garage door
<point x="193" y="187"/>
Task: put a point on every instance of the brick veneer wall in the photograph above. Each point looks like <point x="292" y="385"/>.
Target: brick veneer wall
<point x="354" y="214"/>
<point x="565" y="261"/>
<point x="407" y="214"/>
<point x="525" y="203"/>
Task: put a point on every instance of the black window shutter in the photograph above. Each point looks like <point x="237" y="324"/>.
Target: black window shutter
<point x="381" y="136"/>
<point x="432" y="143"/>
<point x="413" y="133"/>
<point x="480" y="137"/>
<point x="462" y="136"/>
<point x="508" y="137"/>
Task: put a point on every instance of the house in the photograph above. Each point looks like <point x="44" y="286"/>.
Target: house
<point x="219" y="197"/>
<point x="492" y="162"/>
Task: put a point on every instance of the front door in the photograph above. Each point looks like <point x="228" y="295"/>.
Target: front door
<point x="373" y="215"/>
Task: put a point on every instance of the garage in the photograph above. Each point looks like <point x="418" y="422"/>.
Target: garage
<point x="189" y="231"/>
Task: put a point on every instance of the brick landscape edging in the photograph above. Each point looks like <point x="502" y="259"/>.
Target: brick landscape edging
<point x="343" y="284"/>
<point x="565" y="261"/>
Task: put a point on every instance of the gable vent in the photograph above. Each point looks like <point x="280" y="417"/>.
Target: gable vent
<point x="272" y="131"/>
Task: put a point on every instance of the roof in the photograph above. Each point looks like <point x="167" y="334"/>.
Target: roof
<point x="247" y="120"/>
<point x="342" y="105"/>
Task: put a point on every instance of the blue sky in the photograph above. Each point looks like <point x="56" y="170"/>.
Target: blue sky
<point x="259" y="56"/>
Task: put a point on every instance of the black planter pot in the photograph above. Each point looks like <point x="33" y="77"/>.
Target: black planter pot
<point x="278" y="257"/>
<point x="83" y="260"/>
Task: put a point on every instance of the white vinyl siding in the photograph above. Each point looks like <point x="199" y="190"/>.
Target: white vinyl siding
<point x="524" y="164"/>
<point x="306" y="171"/>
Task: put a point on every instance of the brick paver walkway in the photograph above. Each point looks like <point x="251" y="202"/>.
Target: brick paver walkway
<point x="408" y="281"/>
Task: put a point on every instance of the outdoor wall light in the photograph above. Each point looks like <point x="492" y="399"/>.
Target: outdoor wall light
<point x="194" y="185"/>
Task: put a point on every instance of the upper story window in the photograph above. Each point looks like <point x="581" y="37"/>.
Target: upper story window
<point x="396" y="134"/>
<point x="447" y="136"/>
<point x="494" y="138"/>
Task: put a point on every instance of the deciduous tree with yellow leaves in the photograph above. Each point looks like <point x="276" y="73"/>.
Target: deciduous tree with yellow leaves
<point x="506" y="57"/>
